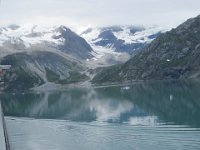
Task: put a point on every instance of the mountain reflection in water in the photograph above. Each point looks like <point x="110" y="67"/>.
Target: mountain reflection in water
<point x="176" y="103"/>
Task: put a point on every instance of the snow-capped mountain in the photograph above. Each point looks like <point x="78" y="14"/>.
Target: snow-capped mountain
<point x="107" y="44"/>
<point x="43" y="55"/>
<point x="118" y="40"/>
<point x="14" y="39"/>
<point x="29" y="36"/>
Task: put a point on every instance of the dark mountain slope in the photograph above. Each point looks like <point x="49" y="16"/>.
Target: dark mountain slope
<point x="74" y="44"/>
<point x="173" y="55"/>
<point x="33" y="69"/>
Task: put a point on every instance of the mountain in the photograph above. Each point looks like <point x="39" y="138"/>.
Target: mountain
<point x="39" y="55"/>
<point x="57" y="55"/>
<point x="33" y="69"/>
<point x="73" y="43"/>
<point x="14" y="39"/>
<point x="121" y="38"/>
<point x="116" y="44"/>
<point x="105" y="45"/>
<point x="173" y="55"/>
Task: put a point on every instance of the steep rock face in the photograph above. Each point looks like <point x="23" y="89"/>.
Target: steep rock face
<point x="74" y="44"/>
<point x="173" y="55"/>
<point x="36" y="68"/>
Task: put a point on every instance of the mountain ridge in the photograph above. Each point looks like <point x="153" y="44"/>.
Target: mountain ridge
<point x="16" y="38"/>
<point x="173" y="55"/>
<point x="25" y="47"/>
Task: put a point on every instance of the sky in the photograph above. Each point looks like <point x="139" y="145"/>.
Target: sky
<point x="80" y="13"/>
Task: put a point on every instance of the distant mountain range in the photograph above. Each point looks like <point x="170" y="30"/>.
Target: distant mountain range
<point x="41" y="55"/>
<point x="172" y="55"/>
<point x="112" y="44"/>
<point x="121" y="38"/>
<point x="58" y="56"/>
<point x="95" y="43"/>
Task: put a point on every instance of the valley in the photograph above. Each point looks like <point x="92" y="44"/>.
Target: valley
<point x="58" y="56"/>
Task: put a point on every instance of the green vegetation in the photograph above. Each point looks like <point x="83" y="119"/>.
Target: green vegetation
<point x="51" y="76"/>
<point x="74" y="77"/>
<point x="109" y="74"/>
<point x="22" y="80"/>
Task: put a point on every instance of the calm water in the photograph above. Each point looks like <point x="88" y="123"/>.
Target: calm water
<point x="138" y="117"/>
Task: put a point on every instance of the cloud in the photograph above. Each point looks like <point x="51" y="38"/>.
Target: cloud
<point x="98" y="13"/>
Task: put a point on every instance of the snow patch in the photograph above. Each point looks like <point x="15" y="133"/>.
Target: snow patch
<point x="141" y="36"/>
<point x="25" y="36"/>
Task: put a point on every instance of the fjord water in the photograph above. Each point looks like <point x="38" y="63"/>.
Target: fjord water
<point x="161" y="115"/>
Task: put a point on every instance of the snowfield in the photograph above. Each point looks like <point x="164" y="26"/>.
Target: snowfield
<point x="30" y="35"/>
<point x="105" y="42"/>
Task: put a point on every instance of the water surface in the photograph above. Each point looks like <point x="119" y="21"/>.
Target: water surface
<point x="162" y="115"/>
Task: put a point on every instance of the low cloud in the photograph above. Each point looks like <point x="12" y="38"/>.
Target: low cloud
<point x="78" y="13"/>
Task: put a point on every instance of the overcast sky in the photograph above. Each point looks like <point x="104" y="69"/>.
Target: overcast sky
<point x="79" y="13"/>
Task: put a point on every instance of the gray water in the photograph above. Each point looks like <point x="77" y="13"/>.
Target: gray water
<point x="162" y="115"/>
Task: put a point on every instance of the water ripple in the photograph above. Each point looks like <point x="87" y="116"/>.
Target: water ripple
<point x="33" y="134"/>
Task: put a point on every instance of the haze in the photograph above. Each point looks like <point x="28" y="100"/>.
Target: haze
<point x="79" y="13"/>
